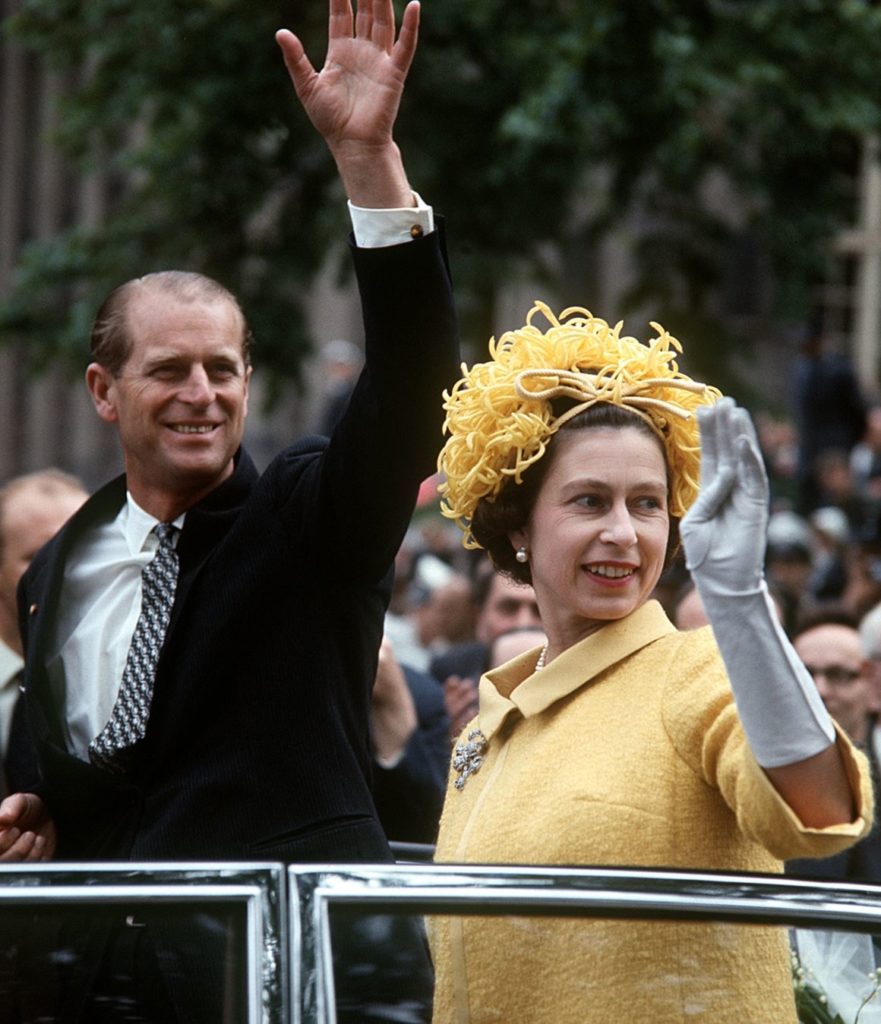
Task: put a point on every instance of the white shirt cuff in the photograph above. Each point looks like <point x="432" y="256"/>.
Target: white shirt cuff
<point x="375" y="229"/>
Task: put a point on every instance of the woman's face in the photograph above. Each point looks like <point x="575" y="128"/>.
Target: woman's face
<point x="597" y="535"/>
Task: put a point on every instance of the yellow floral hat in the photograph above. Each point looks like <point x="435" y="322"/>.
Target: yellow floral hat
<point x="500" y="417"/>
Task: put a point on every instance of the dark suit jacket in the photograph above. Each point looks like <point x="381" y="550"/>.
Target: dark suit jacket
<point x="257" y="744"/>
<point x="410" y="796"/>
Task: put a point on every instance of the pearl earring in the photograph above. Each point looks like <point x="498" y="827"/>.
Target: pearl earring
<point x="522" y="555"/>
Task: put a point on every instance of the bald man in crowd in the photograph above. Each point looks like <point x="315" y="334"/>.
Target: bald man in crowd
<point x="830" y="646"/>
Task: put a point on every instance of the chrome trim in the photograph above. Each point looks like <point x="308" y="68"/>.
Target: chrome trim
<point x="259" y="886"/>
<point x="543" y="891"/>
<point x="289" y="966"/>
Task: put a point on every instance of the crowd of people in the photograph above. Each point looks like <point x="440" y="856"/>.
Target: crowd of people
<point x="207" y="662"/>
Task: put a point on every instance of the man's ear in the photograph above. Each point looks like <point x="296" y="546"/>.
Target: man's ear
<point x="248" y="371"/>
<point x="101" y="385"/>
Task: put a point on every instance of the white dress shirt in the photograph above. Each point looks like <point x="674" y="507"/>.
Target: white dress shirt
<point x="10" y="666"/>
<point x="99" y="608"/>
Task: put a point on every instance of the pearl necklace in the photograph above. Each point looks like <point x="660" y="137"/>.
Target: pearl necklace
<point x="542" y="659"/>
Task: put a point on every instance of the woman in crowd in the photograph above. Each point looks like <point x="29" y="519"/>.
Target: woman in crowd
<point x="573" y="456"/>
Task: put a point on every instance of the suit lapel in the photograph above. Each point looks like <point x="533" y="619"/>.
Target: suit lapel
<point x="42" y="588"/>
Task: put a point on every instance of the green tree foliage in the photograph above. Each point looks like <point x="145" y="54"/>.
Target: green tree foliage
<point x="526" y="123"/>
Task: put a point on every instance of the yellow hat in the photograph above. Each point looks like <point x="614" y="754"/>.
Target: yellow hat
<point x="500" y="415"/>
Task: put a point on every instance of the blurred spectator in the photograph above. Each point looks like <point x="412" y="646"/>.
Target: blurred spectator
<point x="669" y="587"/>
<point x="409" y="733"/>
<point x="831" y="535"/>
<point x="688" y="609"/>
<point x="502" y="604"/>
<point x="863" y="589"/>
<point x="779" y="443"/>
<point x="865" y="460"/>
<point x="836" y="488"/>
<point x="447" y="615"/>
<point x="789" y="564"/>
<point x="829" y="409"/>
<point x="870" y="638"/>
<point x="831" y="648"/>
<point x="689" y="612"/>
<point x="430" y="601"/>
<point x="514" y="642"/>
<point x="33" y="508"/>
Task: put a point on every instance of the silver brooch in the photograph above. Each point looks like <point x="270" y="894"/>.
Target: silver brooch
<point x="468" y="757"/>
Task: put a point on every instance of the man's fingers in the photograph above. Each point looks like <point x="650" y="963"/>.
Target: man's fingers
<point x="27" y="847"/>
<point x="382" y="25"/>
<point x="408" y="37"/>
<point x="40" y="849"/>
<point x="12" y="809"/>
<point x="364" y="20"/>
<point x="300" y="68"/>
<point x="9" y="839"/>
<point x="341" y="20"/>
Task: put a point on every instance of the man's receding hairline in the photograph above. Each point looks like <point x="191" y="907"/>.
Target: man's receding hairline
<point x="197" y="291"/>
<point x="191" y="294"/>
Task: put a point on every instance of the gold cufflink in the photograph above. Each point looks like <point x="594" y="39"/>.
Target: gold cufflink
<point x="416" y="231"/>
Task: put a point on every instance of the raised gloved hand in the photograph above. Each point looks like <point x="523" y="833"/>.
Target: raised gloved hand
<point x="724" y="536"/>
<point x="724" y="532"/>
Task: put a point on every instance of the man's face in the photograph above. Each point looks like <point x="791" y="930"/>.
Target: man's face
<point x="509" y="605"/>
<point x="180" y="399"/>
<point x="833" y="655"/>
<point x="30" y="519"/>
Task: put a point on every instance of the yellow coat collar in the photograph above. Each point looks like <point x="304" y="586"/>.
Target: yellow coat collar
<point x="516" y="686"/>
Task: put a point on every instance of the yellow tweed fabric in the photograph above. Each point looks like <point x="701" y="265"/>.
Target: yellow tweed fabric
<point x="625" y="751"/>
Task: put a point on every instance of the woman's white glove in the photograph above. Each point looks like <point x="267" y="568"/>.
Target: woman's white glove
<point x="724" y="531"/>
<point x="724" y="536"/>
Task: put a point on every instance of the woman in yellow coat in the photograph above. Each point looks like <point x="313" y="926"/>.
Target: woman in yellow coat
<point x="573" y="457"/>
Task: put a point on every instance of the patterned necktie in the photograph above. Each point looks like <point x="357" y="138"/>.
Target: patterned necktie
<point x="128" y="719"/>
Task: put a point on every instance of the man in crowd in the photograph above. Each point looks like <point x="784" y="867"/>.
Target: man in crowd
<point x="502" y="605"/>
<point x="831" y="648"/>
<point x="33" y="508"/>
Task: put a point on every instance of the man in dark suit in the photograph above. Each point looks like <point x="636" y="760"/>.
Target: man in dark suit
<point x="256" y="738"/>
<point x="248" y="738"/>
